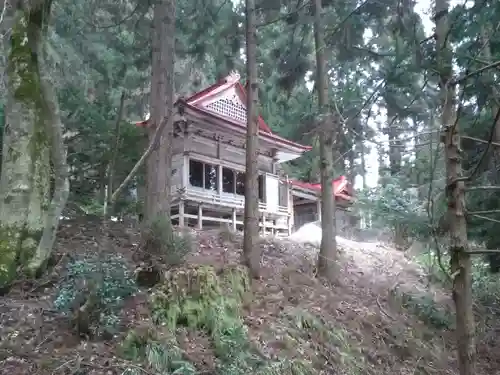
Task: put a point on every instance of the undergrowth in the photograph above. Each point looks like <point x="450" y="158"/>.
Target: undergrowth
<point x="307" y="329"/>
<point x="159" y="352"/>
<point x="197" y="298"/>
<point x="109" y="281"/>
<point x="426" y="309"/>
<point x="485" y="285"/>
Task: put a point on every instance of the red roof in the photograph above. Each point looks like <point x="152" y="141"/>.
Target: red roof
<point x="340" y="187"/>
<point x="193" y="102"/>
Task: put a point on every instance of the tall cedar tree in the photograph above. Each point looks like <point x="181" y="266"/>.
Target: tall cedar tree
<point x="251" y="223"/>
<point x="327" y="258"/>
<point x="460" y="261"/>
<point x="159" y="164"/>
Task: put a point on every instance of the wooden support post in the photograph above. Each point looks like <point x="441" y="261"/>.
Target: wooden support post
<point x="319" y="208"/>
<point x="181" y="214"/>
<point x="289" y="224"/>
<point x="200" y="216"/>
<point x="185" y="164"/>
<point x="264" y="224"/>
<point x="234" y="219"/>
<point x="185" y="169"/>
<point x="219" y="177"/>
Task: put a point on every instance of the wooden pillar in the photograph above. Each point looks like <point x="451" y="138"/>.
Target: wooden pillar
<point x="288" y="195"/>
<point x="319" y="208"/>
<point x="181" y="214"/>
<point x="200" y="216"/>
<point x="289" y="224"/>
<point x="185" y="163"/>
<point x="274" y="161"/>
<point x="219" y="167"/>
<point x="263" y="224"/>
<point x="234" y="219"/>
<point x="219" y="183"/>
<point x="185" y="169"/>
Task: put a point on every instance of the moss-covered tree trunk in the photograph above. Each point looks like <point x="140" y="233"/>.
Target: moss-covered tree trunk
<point x="31" y="118"/>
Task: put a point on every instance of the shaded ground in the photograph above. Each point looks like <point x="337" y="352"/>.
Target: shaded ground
<point x="369" y="331"/>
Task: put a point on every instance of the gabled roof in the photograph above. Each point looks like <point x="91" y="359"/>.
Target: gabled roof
<point x="232" y="81"/>
<point x="226" y="101"/>
<point x="340" y="187"/>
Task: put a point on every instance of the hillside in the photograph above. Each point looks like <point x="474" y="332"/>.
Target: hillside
<point x="381" y="318"/>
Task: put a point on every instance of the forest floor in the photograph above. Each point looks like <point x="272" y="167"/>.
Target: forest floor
<point x="382" y="317"/>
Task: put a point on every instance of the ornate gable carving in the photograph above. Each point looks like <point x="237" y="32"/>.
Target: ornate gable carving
<point x="229" y="105"/>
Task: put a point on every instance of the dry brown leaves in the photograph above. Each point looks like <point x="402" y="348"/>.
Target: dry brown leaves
<point x="378" y="337"/>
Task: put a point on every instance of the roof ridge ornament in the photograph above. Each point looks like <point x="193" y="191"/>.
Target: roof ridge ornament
<point x="233" y="77"/>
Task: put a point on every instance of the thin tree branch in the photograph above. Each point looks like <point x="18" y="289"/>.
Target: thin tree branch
<point x="4" y="9"/>
<point x="482" y="188"/>
<point x="487" y="218"/>
<point x="459" y="80"/>
<point x="284" y="16"/>
<point x="152" y="146"/>
<point x="485" y="152"/>
<point x="482" y="251"/>
<point x="496" y="144"/>
<point x="485" y="212"/>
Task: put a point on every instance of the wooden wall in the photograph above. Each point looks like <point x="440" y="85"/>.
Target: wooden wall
<point x="231" y="156"/>
<point x="308" y="212"/>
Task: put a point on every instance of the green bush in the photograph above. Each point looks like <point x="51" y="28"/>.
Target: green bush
<point x="485" y="286"/>
<point x="435" y="272"/>
<point x="426" y="309"/>
<point x="201" y="299"/>
<point x="392" y="204"/>
<point x="109" y="281"/>
<point x="160" y="353"/>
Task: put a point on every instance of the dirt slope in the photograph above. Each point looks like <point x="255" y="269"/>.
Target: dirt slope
<point x="357" y="327"/>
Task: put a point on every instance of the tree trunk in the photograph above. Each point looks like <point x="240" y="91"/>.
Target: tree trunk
<point x="395" y="158"/>
<point x="251" y="223"/>
<point x="159" y="163"/>
<point x="114" y="155"/>
<point x="361" y="146"/>
<point x="25" y="179"/>
<point x="351" y="172"/>
<point x="54" y="131"/>
<point x="327" y="258"/>
<point x="460" y="261"/>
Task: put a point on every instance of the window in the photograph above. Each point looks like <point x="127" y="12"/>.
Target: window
<point x="283" y="194"/>
<point x="196" y="173"/>
<point x="240" y="183"/>
<point x="203" y="175"/>
<point x="261" y="188"/>
<point x="228" y="181"/>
